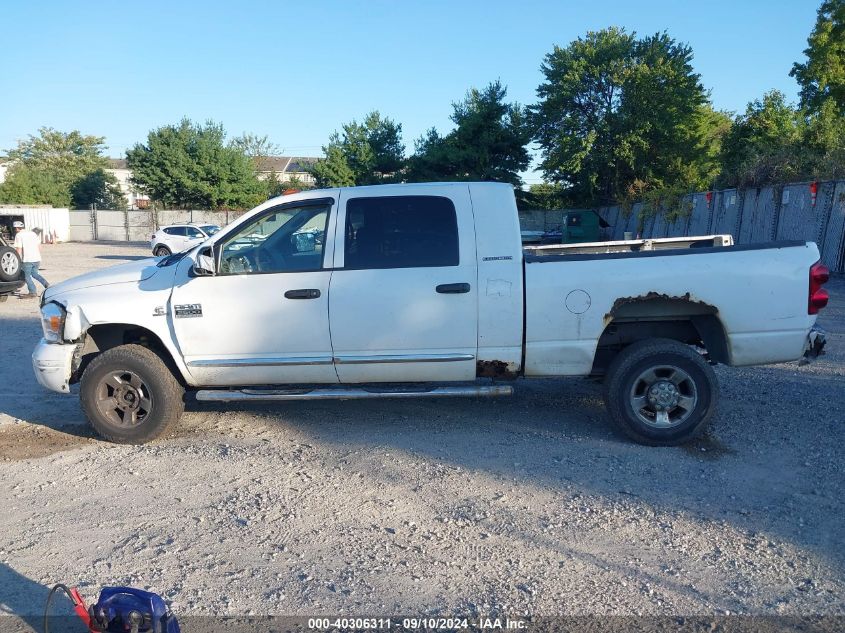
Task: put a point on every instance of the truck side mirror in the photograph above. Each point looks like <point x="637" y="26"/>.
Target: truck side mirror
<point x="204" y="264"/>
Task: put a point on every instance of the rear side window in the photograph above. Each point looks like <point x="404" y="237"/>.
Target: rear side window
<point x="175" y="230"/>
<point x="401" y="232"/>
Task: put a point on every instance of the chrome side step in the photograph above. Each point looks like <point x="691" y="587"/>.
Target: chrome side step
<point x="219" y="395"/>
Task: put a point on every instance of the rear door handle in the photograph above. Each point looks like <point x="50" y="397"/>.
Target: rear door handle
<point x="304" y="293"/>
<point x="453" y="289"/>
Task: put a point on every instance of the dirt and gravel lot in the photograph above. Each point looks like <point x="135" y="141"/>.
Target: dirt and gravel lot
<point x="525" y="505"/>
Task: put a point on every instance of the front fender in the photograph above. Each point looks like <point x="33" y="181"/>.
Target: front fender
<point x="75" y="323"/>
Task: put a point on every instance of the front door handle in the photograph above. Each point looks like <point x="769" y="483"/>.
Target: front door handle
<point x="453" y="289"/>
<point x="304" y="293"/>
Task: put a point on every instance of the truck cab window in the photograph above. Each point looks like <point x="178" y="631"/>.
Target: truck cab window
<point x="286" y="239"/>
<point x="400" y="232"/>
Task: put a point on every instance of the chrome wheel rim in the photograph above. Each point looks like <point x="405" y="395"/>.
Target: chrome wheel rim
<point x="123" y="398"/>
<point x="663" y="396"/>
<point x="9" y="263"/>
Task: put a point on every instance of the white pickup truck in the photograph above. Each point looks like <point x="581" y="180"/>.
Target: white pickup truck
<point x="423" y="290"/>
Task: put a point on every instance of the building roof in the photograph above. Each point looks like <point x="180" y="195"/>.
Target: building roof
<point x="285" y="164"/>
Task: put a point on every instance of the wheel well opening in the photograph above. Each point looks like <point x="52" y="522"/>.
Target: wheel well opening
<point x="678" y="318"/>
<point x="100" y="338"/>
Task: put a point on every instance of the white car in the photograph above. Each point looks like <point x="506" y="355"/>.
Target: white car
<point x="180" y="237"/>
<point x="356" y="292"/>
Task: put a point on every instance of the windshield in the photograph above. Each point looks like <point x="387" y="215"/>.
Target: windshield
<point x="210" y="229"/>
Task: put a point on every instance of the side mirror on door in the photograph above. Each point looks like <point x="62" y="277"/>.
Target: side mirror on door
<point x="204" y="264"/>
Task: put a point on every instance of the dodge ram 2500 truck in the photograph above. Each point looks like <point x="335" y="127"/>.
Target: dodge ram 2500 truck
<point x="423" y="290"/>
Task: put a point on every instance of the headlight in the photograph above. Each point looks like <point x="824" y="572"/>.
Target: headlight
<point x="53" y="322"/>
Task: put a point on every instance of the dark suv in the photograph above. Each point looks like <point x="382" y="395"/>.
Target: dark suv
<point x="11" y="274"/>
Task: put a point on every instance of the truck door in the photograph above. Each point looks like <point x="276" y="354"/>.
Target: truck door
<point x="403" y="296"/>
<point x="263" y="318"/>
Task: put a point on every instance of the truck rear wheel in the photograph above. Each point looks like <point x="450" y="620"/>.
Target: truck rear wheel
<point x="660" y="392"/>
<point x="130" y="396"/>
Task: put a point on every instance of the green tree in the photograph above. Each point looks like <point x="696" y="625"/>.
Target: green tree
<point x="99" y="189"/>
<point x="712" y="127"/>
<point x="764" y="145"/>
<point x="254" y="146"/>
<point x="45" y="167"/>
<point x="616" y="110"/>
<point x="333" y="170"/>
<point x="69" y="156"/>
<point x="191" y="165"/>
<point x="365" y="153"/>
<point x="822" y="75"/>
<point x="824" y="141"/>
<point x="544" y="195"/>
<point x="488" y="143"/>
<point x="32" y="185"/>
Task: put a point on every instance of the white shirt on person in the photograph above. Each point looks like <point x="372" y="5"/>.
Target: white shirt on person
<point x="29" y="242"/>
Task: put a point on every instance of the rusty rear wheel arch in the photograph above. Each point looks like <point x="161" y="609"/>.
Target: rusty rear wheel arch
<point x="701" y="330"/>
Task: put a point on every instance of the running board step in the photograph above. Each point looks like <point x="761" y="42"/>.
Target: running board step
<point x="215" y="395"/>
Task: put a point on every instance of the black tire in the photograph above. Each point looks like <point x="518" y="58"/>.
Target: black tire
<point x="10" y="264"/>
<point x="130" y="395"/>
<point x="677" y="387"/>
<point x="161" y="251"/>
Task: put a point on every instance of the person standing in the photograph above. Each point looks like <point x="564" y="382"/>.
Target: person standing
<point x="27" y="244"/>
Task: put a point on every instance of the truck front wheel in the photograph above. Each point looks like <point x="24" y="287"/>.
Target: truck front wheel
<point x="130" y="396"/>
<point x="660" y="392"/>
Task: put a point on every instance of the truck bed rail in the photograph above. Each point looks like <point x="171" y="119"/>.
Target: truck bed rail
<point x="632" y="246"/>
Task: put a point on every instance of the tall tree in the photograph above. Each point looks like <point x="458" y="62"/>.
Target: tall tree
<point x="68" y="155"/>
<point x="764" y="145"/>
<point x="45" y="167"/>
<point x="365" y="153"/>
<point x="822" y="75"/>
<point x="615" y="110"/>
<point x="488" y="143"/>
<point x="191" y="165"/>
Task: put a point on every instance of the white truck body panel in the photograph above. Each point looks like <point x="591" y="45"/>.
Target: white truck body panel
<point x="439" y="336"/>
<point x="760" y="297"/>
<point x="391" y="325"/>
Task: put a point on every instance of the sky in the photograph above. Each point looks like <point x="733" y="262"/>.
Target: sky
<point x="296" y="71"/>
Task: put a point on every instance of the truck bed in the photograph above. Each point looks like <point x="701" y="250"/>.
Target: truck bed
<point x="757" y="292"/>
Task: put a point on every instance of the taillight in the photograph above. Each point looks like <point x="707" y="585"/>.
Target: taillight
<point x="818" y="296"/>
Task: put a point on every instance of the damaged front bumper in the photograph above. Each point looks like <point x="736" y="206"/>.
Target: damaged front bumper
<point x="53" y="365"/>
<point x="814" y="347"/>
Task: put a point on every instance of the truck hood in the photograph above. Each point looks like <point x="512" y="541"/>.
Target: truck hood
<point x="136" y="272"/>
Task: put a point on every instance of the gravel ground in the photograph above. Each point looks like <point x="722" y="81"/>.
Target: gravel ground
<point x="528" y="505"/>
